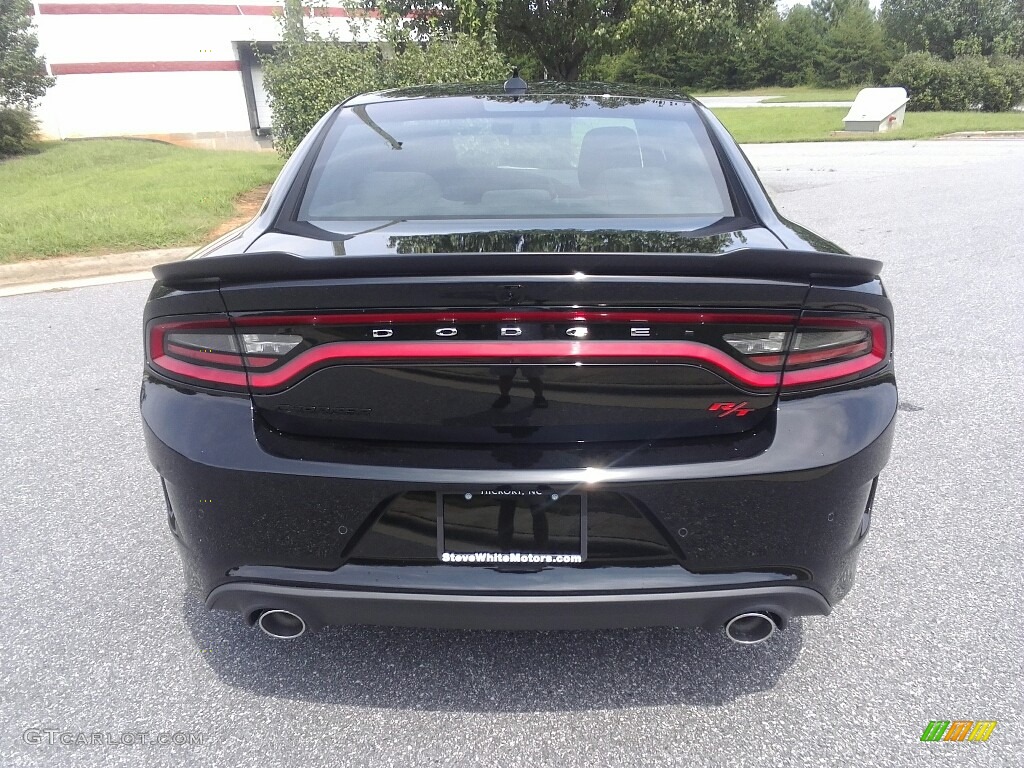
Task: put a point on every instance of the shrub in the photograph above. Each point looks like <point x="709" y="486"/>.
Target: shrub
<point x="975" y="84"/>
<point x="17" y="131"/>
<point x="1012" y="71"/>
<point x="926" y="78"/>
<point x="966" y="83"/>
<point x="305" y="80"/>
<point x="457" y="58"/>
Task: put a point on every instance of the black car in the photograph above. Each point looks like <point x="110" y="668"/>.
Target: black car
<point x="523" y="361"/>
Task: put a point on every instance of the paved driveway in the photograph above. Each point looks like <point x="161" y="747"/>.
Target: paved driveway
<point x="718" y="102"/>
<point x="99" y="637"/>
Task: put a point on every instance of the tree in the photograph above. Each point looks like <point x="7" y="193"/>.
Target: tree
<point x="793" y="48"/>
<point x="670" y="23"/>
<point x="568" y="37"/>
<point x="951" y="27"/>
<point x="562" y="34"/>
<point x="854" y="50"/>
<point x="695" y="43"/>
<point x="830" y="11"/>
<point x="23" y="78"/>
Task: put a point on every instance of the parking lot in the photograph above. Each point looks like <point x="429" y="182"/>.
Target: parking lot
<point x="100" y="637"/>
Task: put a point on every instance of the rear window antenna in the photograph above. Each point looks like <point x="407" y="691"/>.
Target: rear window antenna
<point x="515" y="85"/>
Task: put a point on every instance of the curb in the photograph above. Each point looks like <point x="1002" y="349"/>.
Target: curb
<point x="984" y="135"/>
<point x="75" y="267"/>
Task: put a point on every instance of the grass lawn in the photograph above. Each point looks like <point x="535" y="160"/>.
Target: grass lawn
<point x="785" y="124"/>
<point x="779" y="95"/>
<point x="107" y="196"/>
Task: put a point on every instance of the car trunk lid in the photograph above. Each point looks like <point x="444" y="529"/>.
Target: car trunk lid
<point x="464" y="348"/>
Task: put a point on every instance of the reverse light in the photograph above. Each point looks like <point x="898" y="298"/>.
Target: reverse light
<point x="277" y="344"/>
<point x="810" y="347"/>
<point x="757" y="342"/>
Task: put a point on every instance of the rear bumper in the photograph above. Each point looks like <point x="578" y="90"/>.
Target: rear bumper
<point x="709" y="609"/>
<point x="783" y="525"/>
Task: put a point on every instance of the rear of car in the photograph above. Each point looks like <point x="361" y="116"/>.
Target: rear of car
<point x="519" y="362"/>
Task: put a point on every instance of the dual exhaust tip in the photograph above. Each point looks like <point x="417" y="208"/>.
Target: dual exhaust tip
<point x="281" y="624"/>
<point x="745" y="629"/>
<point x="750" y="628"/>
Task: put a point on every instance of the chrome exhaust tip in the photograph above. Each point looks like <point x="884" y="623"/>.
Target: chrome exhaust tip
<point x="750" y="628"/>
<point x="281" y="624"/>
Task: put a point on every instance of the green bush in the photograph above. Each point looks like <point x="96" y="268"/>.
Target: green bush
<point x="966" y="83"/>
<point x="17" y="131"/>
<point x="976" y="84"/>
<point x="305" y="80"/>
<point x="926" y="78"/>
<point x="1012" y="71"/>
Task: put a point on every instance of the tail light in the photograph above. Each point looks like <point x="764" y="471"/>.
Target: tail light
<point x="210" y="353"/>
<point x="819" y="350"/>
<point x="757" y="352"/>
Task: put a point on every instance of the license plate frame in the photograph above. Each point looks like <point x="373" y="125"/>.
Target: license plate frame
<point x="557" y="525"/>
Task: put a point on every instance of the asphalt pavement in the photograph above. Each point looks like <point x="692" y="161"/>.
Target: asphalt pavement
<point x="99" y="637"/>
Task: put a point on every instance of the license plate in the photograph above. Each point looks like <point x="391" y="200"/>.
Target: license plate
<point x="512" y="527"/>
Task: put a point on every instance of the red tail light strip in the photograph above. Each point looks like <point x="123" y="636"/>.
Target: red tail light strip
<point x="555" y="350"/>
<point x="829" y="372"/>
<point x="562" y="351"/>
<point x="831" y="353"/>
<point x="200" y="373"/>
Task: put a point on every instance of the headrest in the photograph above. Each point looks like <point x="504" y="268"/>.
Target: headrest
<point x="606" y="148"/>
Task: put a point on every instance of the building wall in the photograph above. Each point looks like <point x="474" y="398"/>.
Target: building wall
<point x="167" y="70"/>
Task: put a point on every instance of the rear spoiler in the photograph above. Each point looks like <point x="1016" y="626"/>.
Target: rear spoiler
<point x="745" y="262"/>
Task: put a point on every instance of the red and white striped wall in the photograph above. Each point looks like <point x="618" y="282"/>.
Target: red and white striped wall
<point x="178" y="70"/>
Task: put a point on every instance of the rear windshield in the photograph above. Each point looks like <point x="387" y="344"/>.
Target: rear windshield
<point x="496" y="158"/>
